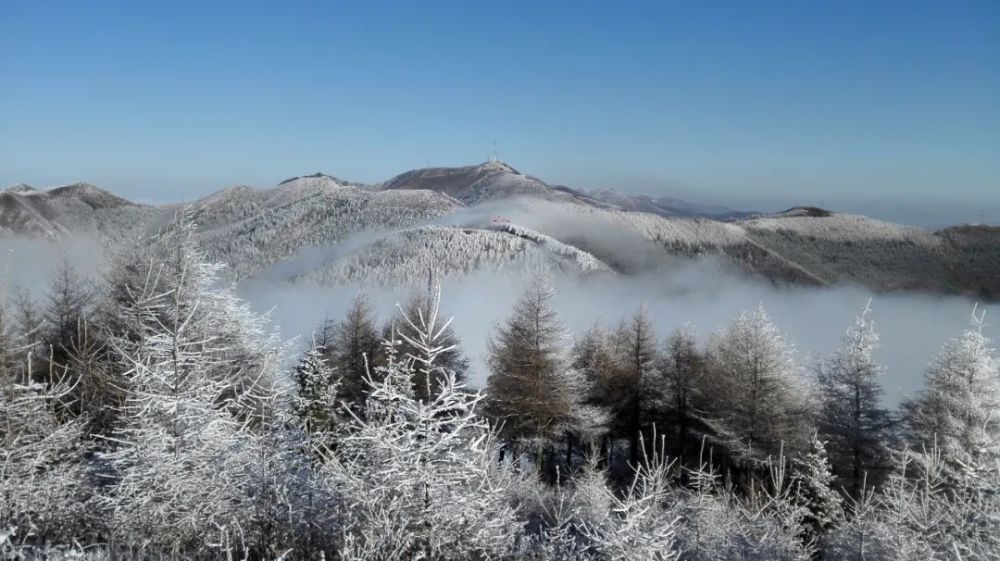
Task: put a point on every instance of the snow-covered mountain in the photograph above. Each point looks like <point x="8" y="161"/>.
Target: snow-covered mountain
<point x="492" y="217"/>
<point x="475" y="184"/>
<point x="60" y="211"/>
<point x="663" y="205"/>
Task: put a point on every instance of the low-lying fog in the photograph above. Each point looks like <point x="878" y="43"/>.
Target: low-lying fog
<point x="913" y="327"/>
<point x="703" y="294"/>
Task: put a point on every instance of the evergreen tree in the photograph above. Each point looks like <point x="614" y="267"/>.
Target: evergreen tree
<point x="352" y="344"/>
<point x="420" y="477"/>
<point x="679" y="384"/>
<point x="957" y="411"/>
<point x="188" y="464"/>
<point x="851" y="417"/>
<point x="533" y="394"/>
<point x="64" y="315"/>
<point x="758" y="403"/>
<point x="419" y="308"/>
<point x="316" y="402"/>
<point x="814" y="489"/>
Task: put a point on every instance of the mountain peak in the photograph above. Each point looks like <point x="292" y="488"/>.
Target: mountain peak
<point x="19" y="189"/>
<point x="496" y="166"/>
<point x="317" y="175"/>
<point x="89" y="194"/>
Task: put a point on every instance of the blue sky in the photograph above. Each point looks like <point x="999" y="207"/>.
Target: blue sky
<point x="740" y="102"/>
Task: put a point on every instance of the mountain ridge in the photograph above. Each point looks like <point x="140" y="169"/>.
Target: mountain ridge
<point x="491" y="215"/>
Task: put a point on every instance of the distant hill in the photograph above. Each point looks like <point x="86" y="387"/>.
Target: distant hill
<point x="474" y="184"/>
<point x="492" y="217"/>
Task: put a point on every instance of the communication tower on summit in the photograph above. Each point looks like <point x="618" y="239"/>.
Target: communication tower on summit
<point x="494" y="158"/>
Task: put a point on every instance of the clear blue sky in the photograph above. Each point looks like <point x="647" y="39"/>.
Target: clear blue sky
<point x="740" y="101"/>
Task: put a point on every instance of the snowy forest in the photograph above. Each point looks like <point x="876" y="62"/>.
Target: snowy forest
<point x="154" y="415"/>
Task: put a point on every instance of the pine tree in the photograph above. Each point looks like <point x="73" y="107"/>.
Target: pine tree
<point x="758" y="404"/>
<point x="419" y="308"/>
<point x="26" y="332"/>
<point x="533" y="394"/>
<point x="64" y="314"/>
<point x="851" y="417"/>
<point x="814" y="489"/>
<point x="957" y="411"/>
<point x="637" y="356"/>
<point x="316" y="402"/>
<point x="679" y="386"/>
<point x="187" y="461"/>
<point x="420" y="477"/>
<point x="351" y="344"/>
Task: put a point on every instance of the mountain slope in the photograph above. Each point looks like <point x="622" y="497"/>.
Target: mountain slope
<point x="58" y="212"/>
<point x="662" y="206"/>
<point x="491" y="217"/>
<point x="475" y="184"/>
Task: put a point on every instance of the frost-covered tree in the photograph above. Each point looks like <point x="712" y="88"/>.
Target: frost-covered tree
<point x="679" y="388"/>
<point x="758" y="402"/>
<point x="533" y="393"/>
<point x="593" y="355"/>
<point x="924" y="512"/>
<point x="958" y="412"/>
<point x="186" y="462"/>
<point x="813" y="485"/>
<point x="421" y="478"/>
<point x="418" y="308"/>
<point x="26" y="331"/>
<point x="349" y="346"/>
<point x="851" y="417"/>
<point x="45" y="494"/>
<point x="64" y="314"/>
<point x="636" y="355"/>
<point x="316" y="402"/>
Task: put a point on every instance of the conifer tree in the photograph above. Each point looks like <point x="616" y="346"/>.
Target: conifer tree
<point x="187" y="461"/>
<point x="758" y="403"/>
<point x="419" y="307"/>
<point x="533" y="394"/>
<point x="637" y="356"/>
<point x="814" y="489"/>
<point x="957" y="412"/>
<point x="351" y="344"/>
<point x="679" y="385"/>
<point x="316" y="403"/>
<point x="421" y="477"/>
<point x="64" y="315"/>
<point x="851" y="417"/>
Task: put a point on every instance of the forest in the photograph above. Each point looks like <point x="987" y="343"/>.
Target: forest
<point x="153" y="415"/>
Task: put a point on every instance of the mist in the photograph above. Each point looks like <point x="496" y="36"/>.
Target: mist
<point x="705" y="293"/>
<point x="28" y="263"/>
<point x="702" y="294"/>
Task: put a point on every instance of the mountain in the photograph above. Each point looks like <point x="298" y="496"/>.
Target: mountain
<point x="490" y="217"/>
<point x="471" y="185"/>
<point x="496" y="180"/>
<point x="58" y="212"/>
<point x="663" y="206"/>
